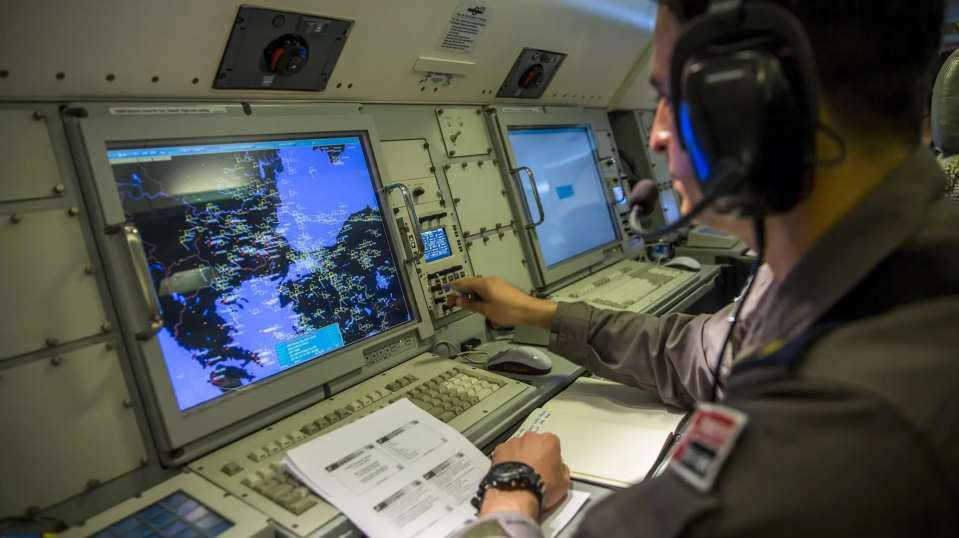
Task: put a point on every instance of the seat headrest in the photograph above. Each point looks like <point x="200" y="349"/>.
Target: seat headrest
<point x="945" y="107"/>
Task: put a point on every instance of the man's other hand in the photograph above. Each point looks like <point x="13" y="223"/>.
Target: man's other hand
<point x="542" y="453"/>
<point x="503" y="304"/>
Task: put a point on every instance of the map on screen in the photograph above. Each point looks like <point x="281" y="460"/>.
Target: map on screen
<point x="264" y="256"/>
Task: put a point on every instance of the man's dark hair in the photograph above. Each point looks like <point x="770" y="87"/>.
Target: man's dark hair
<point x="873" y="56"/>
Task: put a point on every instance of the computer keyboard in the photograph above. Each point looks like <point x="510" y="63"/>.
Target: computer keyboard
<point x="629" y="285"/>
<point x="457" y="394"/>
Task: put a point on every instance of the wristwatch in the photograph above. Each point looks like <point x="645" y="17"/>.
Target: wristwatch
<point x="511" y="476"/>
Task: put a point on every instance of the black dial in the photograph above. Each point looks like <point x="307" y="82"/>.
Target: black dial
<point x="287" y="55"/>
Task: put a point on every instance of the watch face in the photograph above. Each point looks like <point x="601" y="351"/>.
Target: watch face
<point x="511" y="468"/>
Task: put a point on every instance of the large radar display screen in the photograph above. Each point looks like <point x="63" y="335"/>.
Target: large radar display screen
<point x="264" y="255"/>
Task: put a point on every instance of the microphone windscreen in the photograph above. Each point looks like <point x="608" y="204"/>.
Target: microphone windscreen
<point x="644" y="195"/>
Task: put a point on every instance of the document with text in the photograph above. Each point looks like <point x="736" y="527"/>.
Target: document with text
<point x="396" y="472"/>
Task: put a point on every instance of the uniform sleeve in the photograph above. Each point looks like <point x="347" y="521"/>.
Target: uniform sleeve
<point x="501" y="525"/>
<point x="671" y="357"/>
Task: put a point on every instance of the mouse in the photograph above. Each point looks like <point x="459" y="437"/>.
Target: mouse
<point x="684" y="262"/>
<point x="520" y="360"/>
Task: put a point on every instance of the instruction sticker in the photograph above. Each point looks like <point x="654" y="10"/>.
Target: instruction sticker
<point x="165" y="110"/>
<point x="437" y="79"/>
<point x="466" y="27"/>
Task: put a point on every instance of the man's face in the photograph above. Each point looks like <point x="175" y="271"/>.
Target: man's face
<point x="665" y="137"/>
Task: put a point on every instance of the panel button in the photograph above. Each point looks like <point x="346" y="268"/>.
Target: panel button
<point x="231" y="468"/>
<point x="301" y="506"/>
<point x="355" y="406"/>
<point x="342" y="413"/>
<point x="332" y="417"/>
<point x="384" y="392"/>
<point x="310" y="428"/>
<point x="252" y="480"/>
<point x="322" y="423"/>
<point x="283" y="442"/>
<point x="295" y="436"/>
<point x="258" y="455"/>
<point x="271" y="448"/>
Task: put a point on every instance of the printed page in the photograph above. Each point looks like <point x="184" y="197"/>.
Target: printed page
<point x="398" y="472"/>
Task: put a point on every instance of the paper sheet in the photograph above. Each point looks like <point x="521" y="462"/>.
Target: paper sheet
<point x="397" y="472"/>
<point x="557" y="518"/>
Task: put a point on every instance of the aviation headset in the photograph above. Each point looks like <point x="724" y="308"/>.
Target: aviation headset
<point x="745" y="97"/>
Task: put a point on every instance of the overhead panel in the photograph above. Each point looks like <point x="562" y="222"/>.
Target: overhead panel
<point x="68" y="425"/>
<point x="29" y="167"/>
<point x="48" y="282"/>
<point x="500" y="254"/>
<point x="531" y="74"/>
<point x="280" y="50"/>
<point x="479" y="197"/>
<point x="464" y="132"/>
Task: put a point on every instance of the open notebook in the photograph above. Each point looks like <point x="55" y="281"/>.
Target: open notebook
<point x="610" y="434"/>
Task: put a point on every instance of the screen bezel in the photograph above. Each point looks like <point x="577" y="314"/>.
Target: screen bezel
<point x="101" y="125"/>
<point x="157" y="144"/>
<point x="510" y="118"/>
<point x="600" y="181"/>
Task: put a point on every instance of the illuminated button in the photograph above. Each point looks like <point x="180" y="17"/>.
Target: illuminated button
<point x="258" y="455"/>
<point x="271" y="448"/>
<point x="283" y="442"/>
<point x="342" y="413"/>
<point x="322" y="423"/>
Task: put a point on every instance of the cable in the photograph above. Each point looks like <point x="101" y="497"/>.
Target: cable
<point x="464" y="354"/>
<point x="759" y="225"/>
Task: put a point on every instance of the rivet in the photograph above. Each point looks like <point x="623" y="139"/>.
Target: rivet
<point x="38" y="116"/>
<point x="495" y="162"/>
<point x="432" y="169"/>
<point x="478" y="112"/>
<point x="93" y="483"/>
<point x="466" y="233"/>
<point x="16" y="218"/>
<point x="53" y="342"/>
<point x="128" y="403"/>
<point x="504" y="192"/>
<point x="56" y="361"/>
<point x="144" y="461"/>
<point x="73" y="211"/>
<point x="489" y="150"/>
<point x="89" y="269"/>
<point x="106" y="327"/>
<point x="480" y="164"/>
<point x="446" y="167"/>
<point x="59" y="189"/>
<point x="111" y="345"/>
<point x="452" y="154"/>
<point x="440" y="111"/>
<point x="456" y="200"/>
<point x="464" y="166"/>
<point x="486" y="239"/>
<point x="426" y="145"/>
<point x="469" y="244"/>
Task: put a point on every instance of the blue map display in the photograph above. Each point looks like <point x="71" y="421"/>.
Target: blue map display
<point x="264" y="256"/>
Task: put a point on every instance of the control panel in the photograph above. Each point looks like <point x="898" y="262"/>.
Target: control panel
<point x="444" y="260"/>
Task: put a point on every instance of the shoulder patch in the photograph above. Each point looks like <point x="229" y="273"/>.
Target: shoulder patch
<point x="706" y="444"/>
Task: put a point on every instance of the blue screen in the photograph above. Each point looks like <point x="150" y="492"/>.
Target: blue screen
<point x="577" y="211"/>
<point x="436" y="244"/>
<point x="264" y="255"/>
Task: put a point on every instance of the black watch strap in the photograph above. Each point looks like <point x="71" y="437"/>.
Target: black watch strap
<point x="511" y="476"/>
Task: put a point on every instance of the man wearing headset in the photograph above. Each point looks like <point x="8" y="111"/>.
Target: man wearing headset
<point x="841" y="410"/>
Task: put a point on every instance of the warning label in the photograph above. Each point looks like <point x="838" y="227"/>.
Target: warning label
<point x="466" y="27"/>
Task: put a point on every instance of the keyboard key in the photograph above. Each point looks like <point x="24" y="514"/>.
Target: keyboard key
<point x="322" y="423"/>
<point x="436" y="411"/>
<point x="333" y="418"/>
<point x="483" y="394"/>
<point x="258" y="455"/>
<point x="365" y="401"/>
<point x="301" y="506"/>
<point x="384" y="392"/>
<point x="252" y="480"/>
<point x="342" y="413"/>
<point x="411" y="378"/>
<point x="295" y="436"/>
<point x="283" y="442"/>
<point x="271" y="448"/>
<point x="374" y="397"/>
<point x="310" y="428"/>
<point x="355" y="406"/>
<point x="231" y="468"/>
<point x="447" y="416"/>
